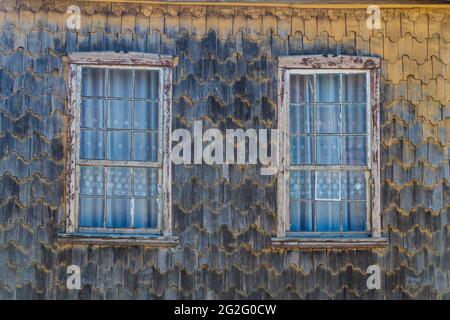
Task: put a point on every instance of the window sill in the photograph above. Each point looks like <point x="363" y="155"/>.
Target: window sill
<point x="118" y="239"/>
<point x="330" y="243"/>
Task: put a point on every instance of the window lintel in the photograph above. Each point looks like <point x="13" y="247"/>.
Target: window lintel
<point x="328" y="62"/>
<point x="122" y="58"/>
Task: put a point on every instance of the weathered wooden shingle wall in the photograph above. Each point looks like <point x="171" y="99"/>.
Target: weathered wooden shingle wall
<point x="226" y="76"/>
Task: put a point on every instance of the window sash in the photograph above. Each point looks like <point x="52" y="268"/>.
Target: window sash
<point x="318" y="167"/>
<point x="106" y="98"/>
<point x="118" y="163"/>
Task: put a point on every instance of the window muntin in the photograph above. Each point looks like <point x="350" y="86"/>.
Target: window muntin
<point x="119" y="163"/>
<point x="329" y="142"/>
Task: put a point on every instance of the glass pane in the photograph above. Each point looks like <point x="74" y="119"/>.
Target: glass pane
<point x="145" y="146"/>
<point x="328" y="150"/>
<point x="300" y="119"/>
<point x="92" y="145"/>
<point x="327" y="87"/>
<point x="120" y="83"/>
<point x="353" y="185"/>
<point x="146" y="213"/>
<point x="91" y="114"/>
<point x="301" y="150"/>
<point x="301" y="217"/>
<point x="119" y="114"/>
<point x="118" y="213"/>
<point x="93" y="82"/>
<point x="92" y="180"/>
<point x="146" y="84"/>
<point x="91" y="211"/>
<point x="146" y="115"/>
<point x="354" y="215"/>
<point x="146" y="182"/>
<point x="354" y="87"/>
<point x="119" y="143"/>
<point x="301" y="88"/>
<point x="328" y="119"/>
<point x="354" y="118"/>
<point x="328" y="185"/>
<point x="327" y="216"/>
<point x="294" y="215"/>
<point x="119" y="181"/>
<point x="354" y="150"/>
<point x="301" y="184"/>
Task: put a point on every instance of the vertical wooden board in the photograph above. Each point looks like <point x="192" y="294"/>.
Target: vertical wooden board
<point x="324" y="23"/>
<point x="337" y="28"/>
<point x="351" y="24"/>
<point x="269" y="22"/>
<point x="239" y="22"/>
<point x="424" y="71"/>
<point x="349" y="44"/>
<point x="225" y="27"/>
<point x="212" y="20"/>
<point x="405" y="45"/>
<point x="128" y="23"/>
<point x="199" y="21"/>
<point x="434" y="47"/>
<point x="311" y="27"/>
<point x="421" y="28"/>
<point x="409" y="67"/>
<point x="298" y="24"/>
<point x="407" y="24"/>
<point x="362" y="46"/>
<point x="376" y="45"/>
<point x="284" y="25"/>
<point x="435" y="23"/>
<point x="99" y="22"/>
<point x="393" y="25"/>
<point x="254" y="22"/>
<point x="12" y="18"/>
<point x="414" y="90"/>
<point x="444" y="51"/>
<point x="113" y="24"/>
<point x="171" y="21"/>
<point x="390" y="50"/>
<point x="446" y="28"/>
<point x="157" y="19"/>
<point x="419" y="52"/>
<point x="186" y="19"/>
<point x="363" y="30"/>
<point x="26" y="20"/>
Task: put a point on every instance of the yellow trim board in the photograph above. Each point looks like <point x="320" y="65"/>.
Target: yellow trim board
<point x="283" y="5"/>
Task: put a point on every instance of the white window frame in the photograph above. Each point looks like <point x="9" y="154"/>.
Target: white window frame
<point x="316" y="64"/>
<point x="136" y="61"/>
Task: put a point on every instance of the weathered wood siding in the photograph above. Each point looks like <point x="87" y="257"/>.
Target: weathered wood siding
<point x="226" y="76"/>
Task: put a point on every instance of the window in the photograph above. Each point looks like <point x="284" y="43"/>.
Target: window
<point x="119" y="126"/>
<point x="329" y="181"/>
